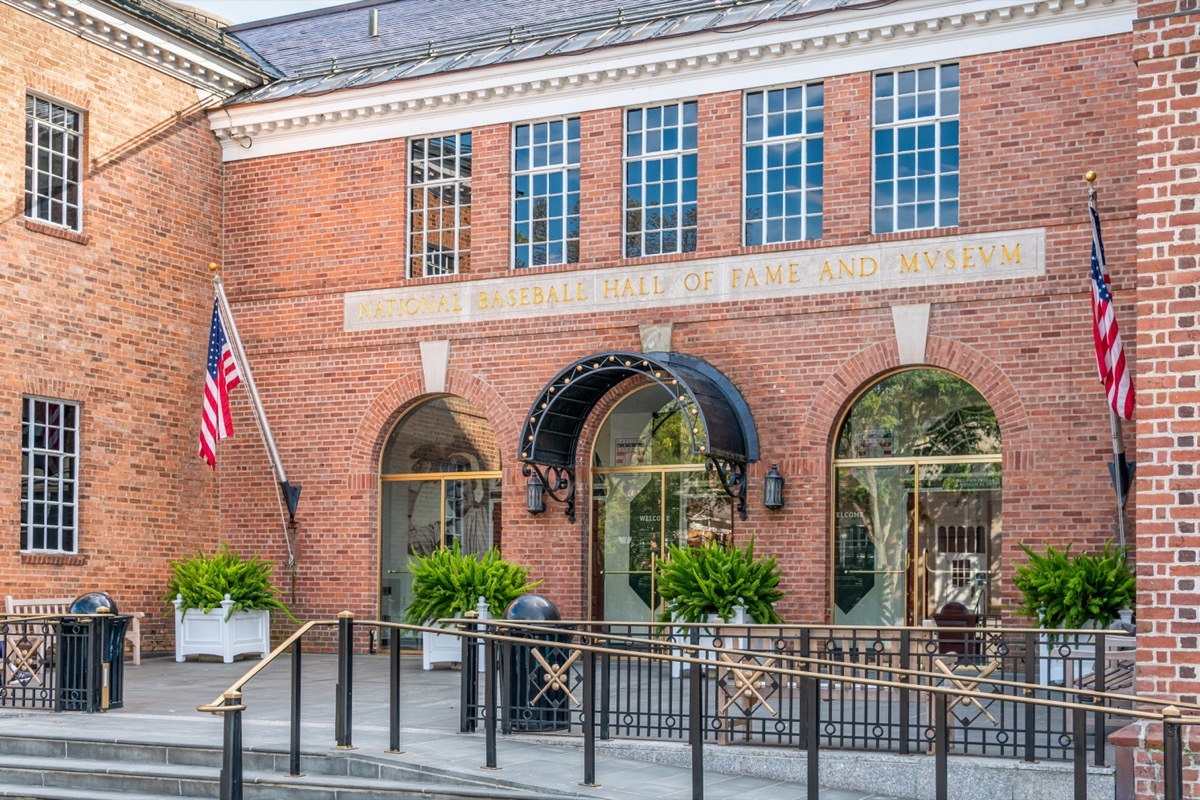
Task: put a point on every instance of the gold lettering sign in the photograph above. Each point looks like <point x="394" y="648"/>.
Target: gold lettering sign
<point x="929" y="261"/>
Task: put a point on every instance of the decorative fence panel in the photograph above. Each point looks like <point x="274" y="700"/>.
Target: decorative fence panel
<point x="641" y="696"/>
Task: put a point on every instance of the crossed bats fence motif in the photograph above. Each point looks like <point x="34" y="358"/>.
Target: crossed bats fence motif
<point x="747" y="690"/>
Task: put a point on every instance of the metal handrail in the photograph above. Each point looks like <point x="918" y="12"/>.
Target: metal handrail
<point x="231" y="706"/>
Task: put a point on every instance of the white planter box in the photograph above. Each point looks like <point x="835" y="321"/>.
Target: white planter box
<point x="740" y="617"/>
<point x="440" y="648"/>
<point x="210" y="633"/>
<point x="445" y="648"/>
<point x="1058" y="653"/>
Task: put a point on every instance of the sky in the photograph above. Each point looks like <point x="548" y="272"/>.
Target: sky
<point x="249" y="10"/>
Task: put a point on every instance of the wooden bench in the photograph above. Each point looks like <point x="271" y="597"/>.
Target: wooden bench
<point x="61" y="606"/>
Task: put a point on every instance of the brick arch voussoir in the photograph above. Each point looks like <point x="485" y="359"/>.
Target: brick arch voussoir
<point x="405" y="392"/>
<point x="871" y="362"/>
<point x="490" y="402"/>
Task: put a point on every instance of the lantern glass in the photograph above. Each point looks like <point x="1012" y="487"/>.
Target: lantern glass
<point x="535" y="500"/>
<point x="773" y="489"/>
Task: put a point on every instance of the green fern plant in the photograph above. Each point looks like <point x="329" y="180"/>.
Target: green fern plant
<point x="203" y="581"/>
<point x="1059" y="590"/>
<point x="447" y="582"/>
<point x="696" y="582"/>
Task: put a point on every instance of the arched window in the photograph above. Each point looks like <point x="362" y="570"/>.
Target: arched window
<point x="439" y="485"/>
<point x="916" y="522"/>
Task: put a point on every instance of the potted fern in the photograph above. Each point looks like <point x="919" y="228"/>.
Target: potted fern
<point x="223" y="604"/>
<point x="448" y="583"/>
<point x="717" y="583"/>
<point x="1068" y="592"/>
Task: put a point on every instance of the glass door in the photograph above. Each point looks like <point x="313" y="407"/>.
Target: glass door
<point x="870" y="545"/>
<point x="637" y="516"/>
<point x="649" y="490"/>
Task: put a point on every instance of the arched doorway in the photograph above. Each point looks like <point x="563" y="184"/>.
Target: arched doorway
<point x="439" y="485"/>
<point x="916" y="509"/>
<point x="649" y="489"/>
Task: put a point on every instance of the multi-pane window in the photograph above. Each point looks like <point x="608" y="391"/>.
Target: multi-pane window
<point x="53" y="152"/>
<point x="660" y="179"/>
<point x="784" y="163"/>
<point x="49" y="475"/>
<point x="546" y="193"/>
<point x="439" y="205"/>
<point x="916" y="149"/>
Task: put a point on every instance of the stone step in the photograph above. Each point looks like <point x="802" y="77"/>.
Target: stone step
<point x="11" y="791"/>
<point x="40" y="776"/>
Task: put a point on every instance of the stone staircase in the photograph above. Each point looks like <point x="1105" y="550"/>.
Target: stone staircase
<point x="33" y="768"/>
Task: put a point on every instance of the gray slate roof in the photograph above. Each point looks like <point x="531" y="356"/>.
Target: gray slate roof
<point x="331" y="49"/>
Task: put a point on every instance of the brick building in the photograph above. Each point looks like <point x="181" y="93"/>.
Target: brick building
<point x="113" y="186"/>
<point x="705" y="242"/>
<point x="619" y="263"/>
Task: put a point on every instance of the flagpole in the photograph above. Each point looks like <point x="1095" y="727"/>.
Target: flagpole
<point x="291" y="494"/>
<point x="1119" y="465"/>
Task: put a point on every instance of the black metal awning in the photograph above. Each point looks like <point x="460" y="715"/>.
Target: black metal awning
<point x="718" y="418"/>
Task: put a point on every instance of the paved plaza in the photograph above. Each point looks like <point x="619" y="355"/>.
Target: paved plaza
<point x="160" y="708"/>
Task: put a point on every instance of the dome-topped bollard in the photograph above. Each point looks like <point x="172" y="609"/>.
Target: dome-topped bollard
<point x="539" y="674"/>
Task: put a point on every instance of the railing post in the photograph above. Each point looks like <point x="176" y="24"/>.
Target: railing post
<point x="696" y="716"/>
<point x="468" y="691"/>
<point x="941" y="745"/>
<point x="905" y="699"/>
<point x="805" y="696"/>
<point x="1031" y="663"/>
<point x="231" y="756"/>
<point x="294" y="746"/>
<point x="605" y="686"/>
<point x="1172" y="754"/>
<point x="94" y="677"/>
<point x="344" y="716"/>
<point x="1079" y="750"/>
<point x="812" y="733"/>
<point x="394" y="693"/>
<point x="508" y="681"/>
<point x="589" y="716"/>
<point x="489" y="701"/>
<point x="1100" y="668"/>
<point x="60" y="649"/>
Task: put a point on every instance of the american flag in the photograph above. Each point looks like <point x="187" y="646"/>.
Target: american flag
<point x="1110" y="356"/>
<point x="223" y="375"/>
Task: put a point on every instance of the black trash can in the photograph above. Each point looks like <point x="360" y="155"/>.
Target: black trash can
<point x="91" y="656"/>
<point x="537" y="690"/>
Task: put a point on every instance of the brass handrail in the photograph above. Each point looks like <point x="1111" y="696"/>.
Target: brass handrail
<point x="216" y="708"/>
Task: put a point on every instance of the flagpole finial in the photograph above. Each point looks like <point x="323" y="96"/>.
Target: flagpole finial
<point x="212" y="265"/>
<point x="1090" y="176"/>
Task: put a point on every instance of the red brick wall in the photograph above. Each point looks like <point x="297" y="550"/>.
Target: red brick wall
<point x="1167" y="49"/>
<point x="1033" y="122"/>
<point x="115" y="319"/>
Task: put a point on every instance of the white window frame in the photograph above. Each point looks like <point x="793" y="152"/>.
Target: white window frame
<point x="461" y="180"/>
<point x="61" y="206"/>
<point x="680" y="152"/>
<point x="802" y="139"/>
<point x="941" y="115"/>
<point x="49" y="459"/>
<point x="564" y="168"/>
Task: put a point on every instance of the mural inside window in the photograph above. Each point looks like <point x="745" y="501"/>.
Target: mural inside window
<point x="440" y="484"/>
<point x="917" y="510"/>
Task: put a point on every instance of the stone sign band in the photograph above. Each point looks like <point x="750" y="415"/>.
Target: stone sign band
<point x="884" y="265"/>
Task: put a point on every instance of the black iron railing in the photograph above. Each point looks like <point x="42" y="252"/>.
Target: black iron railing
<point x="643" y="696"/>
<point x="809" y="687"/>
<point x="68" y="663"/>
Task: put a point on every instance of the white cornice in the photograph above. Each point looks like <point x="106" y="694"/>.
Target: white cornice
<point x="843" y="42"/>
<point x="125" y="34"/>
